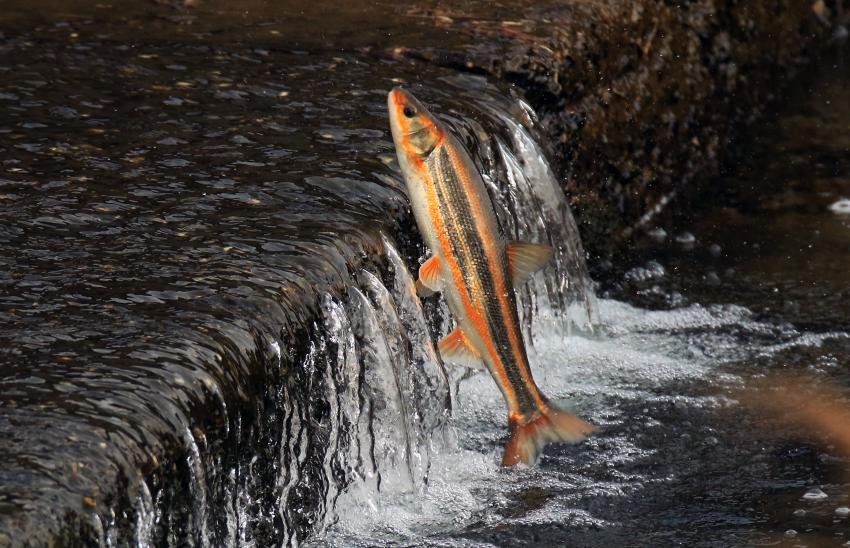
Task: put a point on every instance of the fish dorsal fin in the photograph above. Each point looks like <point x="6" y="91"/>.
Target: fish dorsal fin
<point x="430" y="279"/>
<point x="524" y="259"/>
<point x="455" y="348"/>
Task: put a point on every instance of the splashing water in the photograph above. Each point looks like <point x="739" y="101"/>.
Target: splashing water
<point x="630" y="366"/>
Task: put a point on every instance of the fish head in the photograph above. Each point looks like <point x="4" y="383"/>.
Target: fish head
<point x="416" y="132"/>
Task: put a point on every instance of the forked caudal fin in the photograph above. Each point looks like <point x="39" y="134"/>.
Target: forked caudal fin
<point x="526" y="440"/>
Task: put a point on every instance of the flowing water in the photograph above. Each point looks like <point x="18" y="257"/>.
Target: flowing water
<point x="211" y="334"/>
<point x="753" y="283"/>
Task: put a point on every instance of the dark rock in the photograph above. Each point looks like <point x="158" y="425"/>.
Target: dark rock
<point x="641" y="98"/>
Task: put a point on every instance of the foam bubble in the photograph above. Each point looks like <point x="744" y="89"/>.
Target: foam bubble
<point x="841" y="207"/>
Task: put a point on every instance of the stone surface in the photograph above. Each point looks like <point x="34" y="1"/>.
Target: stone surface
<point x="640" y="99"/>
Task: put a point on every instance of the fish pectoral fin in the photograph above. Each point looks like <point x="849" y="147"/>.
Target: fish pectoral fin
<point x="455" y="348"/>
<point x="524" y="259"/>
<point x="429" y="276"/>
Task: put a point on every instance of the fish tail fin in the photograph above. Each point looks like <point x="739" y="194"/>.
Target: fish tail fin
<point x="526" y="439"/>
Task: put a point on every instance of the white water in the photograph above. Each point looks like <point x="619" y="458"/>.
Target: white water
<point x="619" y="358"/>
<point x="634" y="360"/>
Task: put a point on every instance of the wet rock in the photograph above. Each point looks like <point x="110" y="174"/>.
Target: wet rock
<point x="640" y="97"/>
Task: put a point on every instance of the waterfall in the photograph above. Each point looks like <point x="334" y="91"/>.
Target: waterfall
<point x="259" y="351"/>
<point x="387" y="394"/>
<point x="403" y="385"/>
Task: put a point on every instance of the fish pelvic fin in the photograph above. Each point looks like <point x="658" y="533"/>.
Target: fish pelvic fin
<point x="455" y="348"/>
<point x="524" y="259"/>
<point x="527" y="439"/>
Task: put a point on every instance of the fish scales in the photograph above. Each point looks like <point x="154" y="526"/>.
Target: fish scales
<point x="467" y="245"/>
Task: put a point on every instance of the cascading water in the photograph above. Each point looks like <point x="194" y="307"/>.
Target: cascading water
<point x="226" y="300"/>
<point x="395" y="408"/>
<point x="393" y="343"/>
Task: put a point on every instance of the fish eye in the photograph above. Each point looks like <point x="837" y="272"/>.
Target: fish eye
<point x="409" y="111"/>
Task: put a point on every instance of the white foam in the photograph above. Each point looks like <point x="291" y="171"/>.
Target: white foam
<point x="637" y="356"/>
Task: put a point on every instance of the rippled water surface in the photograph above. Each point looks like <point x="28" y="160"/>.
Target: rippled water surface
<point x="210" y="334"/>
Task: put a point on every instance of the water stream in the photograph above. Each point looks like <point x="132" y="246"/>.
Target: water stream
<point x="211" y="335"/>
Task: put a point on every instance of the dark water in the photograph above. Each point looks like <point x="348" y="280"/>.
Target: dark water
<point x="210" y="335"/>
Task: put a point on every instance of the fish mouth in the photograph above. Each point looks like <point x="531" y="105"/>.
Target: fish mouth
<point x="399" y="96"/>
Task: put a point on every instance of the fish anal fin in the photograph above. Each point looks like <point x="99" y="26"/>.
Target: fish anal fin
<point x="455" y="348"/>
<point x="527" y="439"/>
<point x="524" y="259"/>
<point x="429" y="275"/>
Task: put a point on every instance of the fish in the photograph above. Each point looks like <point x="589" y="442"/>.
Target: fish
<point x="477" y="271"/>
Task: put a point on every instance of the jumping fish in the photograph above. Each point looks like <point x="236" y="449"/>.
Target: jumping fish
<point x="476" y="270"/>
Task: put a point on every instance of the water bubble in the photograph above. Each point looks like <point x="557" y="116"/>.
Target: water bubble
<point x="653" y="270"/>
<point x="686" y="240"/>
<point x="715" y="250"/>
<point x="841" y="207"/>
<point x="658" y="234"/>
<point x="815" y="494"/>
